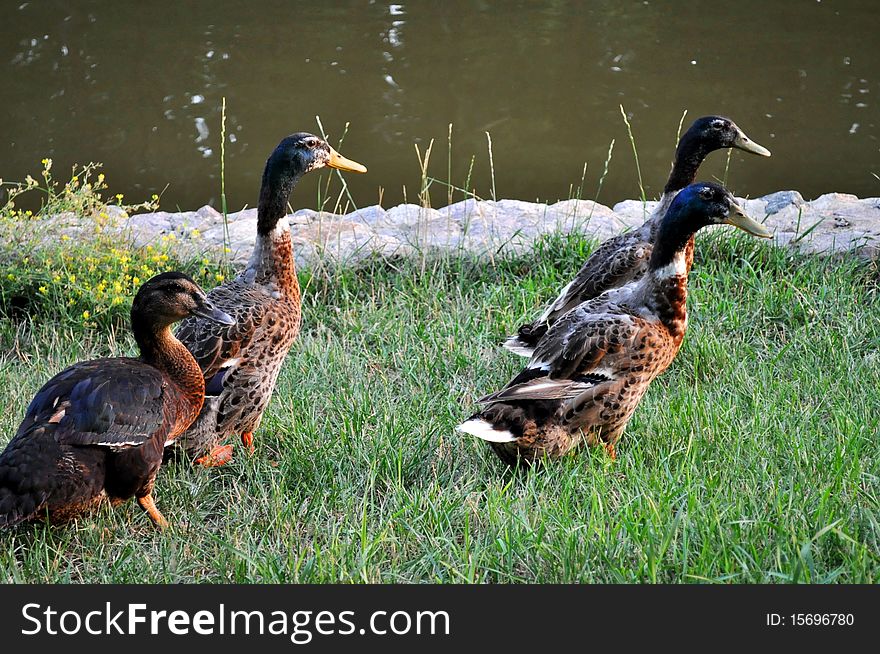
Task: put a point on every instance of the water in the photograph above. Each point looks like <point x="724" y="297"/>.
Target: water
<point x="140" y="87"/>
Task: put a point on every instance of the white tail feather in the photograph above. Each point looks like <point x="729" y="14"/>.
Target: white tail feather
<point x="482" y="429"/>
<point x="516" y="346"/>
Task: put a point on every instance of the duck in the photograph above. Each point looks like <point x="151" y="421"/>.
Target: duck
<point x="594" y="365"/>
<point x="241" y="362"/>
<point x="95" y="432"/>
<point x="625" y="257"/>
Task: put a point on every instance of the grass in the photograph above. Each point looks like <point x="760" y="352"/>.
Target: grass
<point x="754" y="458"/>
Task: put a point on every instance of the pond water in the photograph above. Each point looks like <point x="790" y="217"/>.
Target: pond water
<point x="139" y="88"/>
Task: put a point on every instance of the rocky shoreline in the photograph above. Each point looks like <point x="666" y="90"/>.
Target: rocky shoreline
<point x="832" y="223"/>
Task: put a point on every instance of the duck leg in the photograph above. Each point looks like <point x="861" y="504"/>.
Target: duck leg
<point x="609" y="447"/>
<point x="247" y="440"/>
<point x="609" y="439"/>
<point x="149" y="505"/>
<point x="220" y="455"/>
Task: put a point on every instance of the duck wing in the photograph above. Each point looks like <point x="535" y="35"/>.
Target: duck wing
<point x="616" y="262"/>
<point x="214" y="345"/>
<point x="117" y="403"/>
<point x="581" y="351"/>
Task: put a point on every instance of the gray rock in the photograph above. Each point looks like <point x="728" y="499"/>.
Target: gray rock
<point x="832" y="223"/>
<point x="775" y="202"/>
<point x="634" y="210"/>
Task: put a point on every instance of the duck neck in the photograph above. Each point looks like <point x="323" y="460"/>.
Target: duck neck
<point x="272" y="260"/>
<point x="689" y="155"/>
<point x="161" y="349"/>
<point x="666" y="283"/>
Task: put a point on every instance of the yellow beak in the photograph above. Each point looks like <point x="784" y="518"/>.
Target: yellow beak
<point x="743" y="142"/>
<point x="340" y="162"/>
<point x="738" y="218"/>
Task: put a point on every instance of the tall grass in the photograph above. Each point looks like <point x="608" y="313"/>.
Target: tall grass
<point x="338" y="206"/>
<point x="635" y="150"/>
<point x="223" y="206"/>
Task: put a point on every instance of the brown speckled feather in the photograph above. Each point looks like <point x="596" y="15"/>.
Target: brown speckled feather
<point x="585" y="379"/>
<point x="623" y="259"/>
<point x="588" y="373"/>
<point x="241" y="363"/>
<point x="615" y="263"/>
<point x="213" y="344"/>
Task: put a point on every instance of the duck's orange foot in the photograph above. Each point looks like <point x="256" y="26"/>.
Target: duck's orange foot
<point x="247" y="439"/>
<point x="609" y="447"/>
<point x="219" y="456"/>
<point x="147" y="504"/>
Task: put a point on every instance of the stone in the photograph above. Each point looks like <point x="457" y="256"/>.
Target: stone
<point x="775" y="202"/>
<point x="830" y="224"/>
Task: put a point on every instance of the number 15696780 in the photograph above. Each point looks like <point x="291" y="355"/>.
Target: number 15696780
<point x="810" y="620"/>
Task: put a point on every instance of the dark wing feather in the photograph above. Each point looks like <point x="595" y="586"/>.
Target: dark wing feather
<point x="117" y="403"/>
<point x="571" y="358"/>
<point x="213" y="344"/>
<point x="581" y="339"/>
<point x="616" y="262"/>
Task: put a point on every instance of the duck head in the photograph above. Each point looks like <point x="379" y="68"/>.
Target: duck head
<point x="293" y="157"/>
<point x="704" y="136"/>
<point x="696" y="206"/>
<point x="172" y="296"/>
<point x="301" y="153"/>
<point x="708" y="203"/>
<point x="710" y="133"/>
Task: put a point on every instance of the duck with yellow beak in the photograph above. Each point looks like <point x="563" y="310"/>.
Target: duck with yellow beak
<point x="241" y="362"/>
<point x="590" y="371"/>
